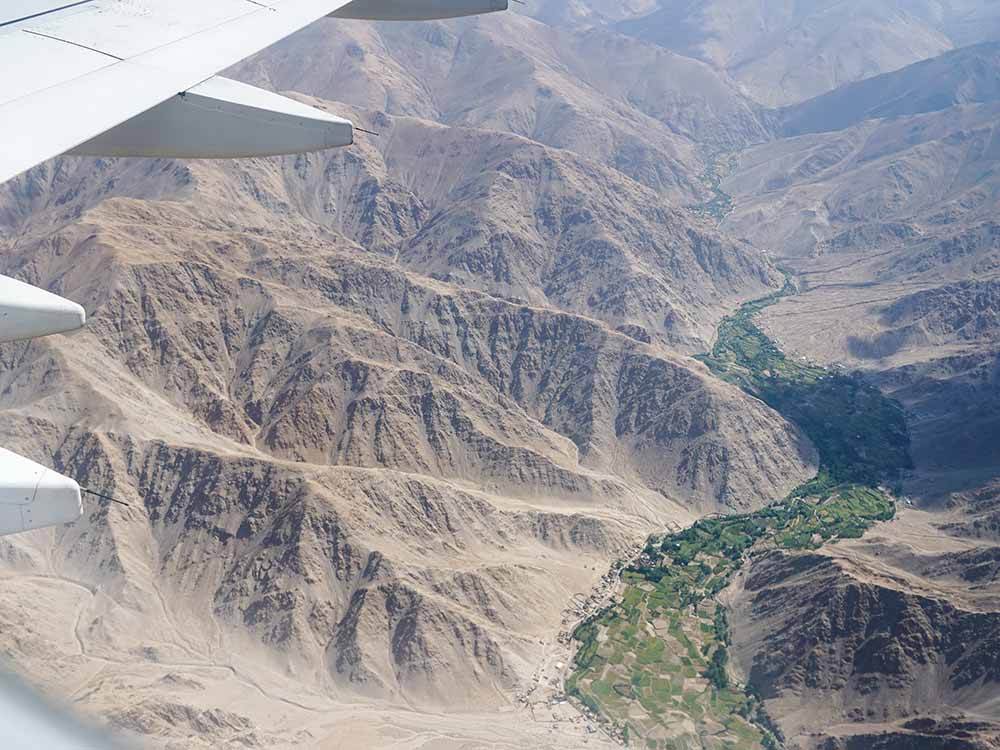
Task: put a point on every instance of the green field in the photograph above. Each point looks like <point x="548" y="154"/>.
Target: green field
<point x="655" y="663"/>
<point x="720" y="204"/>
<point x="646" y="664"/>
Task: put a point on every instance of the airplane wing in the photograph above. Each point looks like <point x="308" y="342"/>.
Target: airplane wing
<point x="75" y="70"/>
<point x="138" y="78"/>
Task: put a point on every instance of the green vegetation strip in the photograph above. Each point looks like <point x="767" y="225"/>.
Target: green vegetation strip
<point x="655" y="663"/>
<point x="720" y="204"/>
<point x="860" y="434"/>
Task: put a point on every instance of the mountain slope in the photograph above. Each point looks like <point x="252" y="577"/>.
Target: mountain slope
<point x="876" y="182"/>
<point x="886" y="642"/>
<point x="787" y="52"/>
<point x="638" y="108"/>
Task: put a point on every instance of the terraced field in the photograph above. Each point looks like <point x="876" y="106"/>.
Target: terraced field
<point x="644" y="664"/>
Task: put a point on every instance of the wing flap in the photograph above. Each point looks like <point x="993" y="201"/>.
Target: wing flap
<point x="416" y="10"/>
<point x="221" y="118"/>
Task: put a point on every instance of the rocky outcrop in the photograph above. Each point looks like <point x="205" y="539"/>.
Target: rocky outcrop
<point x="832" y="641"/>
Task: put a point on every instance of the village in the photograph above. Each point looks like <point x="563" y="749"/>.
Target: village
<point x="544" y="697"/>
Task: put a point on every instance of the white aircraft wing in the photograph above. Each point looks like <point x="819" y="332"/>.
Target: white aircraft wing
<point x="73" y="70"/>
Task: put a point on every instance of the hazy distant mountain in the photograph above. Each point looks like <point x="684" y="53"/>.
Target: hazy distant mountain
<point x="783" y="53"/>
<point x="871" y="184"/>
<point x="970" y="75"/>
<point x="971" y="21"/>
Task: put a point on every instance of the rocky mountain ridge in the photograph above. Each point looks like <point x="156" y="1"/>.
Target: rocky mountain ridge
<point x="860" y="639"/>
<point x="967" y="75"/>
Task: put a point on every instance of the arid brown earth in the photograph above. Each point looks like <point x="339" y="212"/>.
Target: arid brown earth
<point x="379" y="414"/>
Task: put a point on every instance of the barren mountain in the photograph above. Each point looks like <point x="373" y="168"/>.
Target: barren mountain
<point x="784" y="53"/>
<point x="377" y="414"/>
<point x="870" y="185"/>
